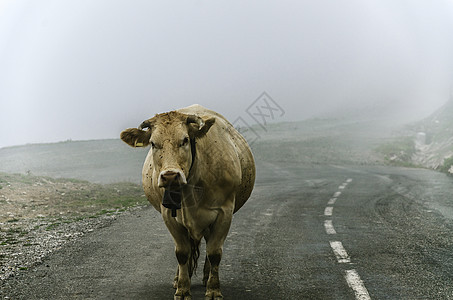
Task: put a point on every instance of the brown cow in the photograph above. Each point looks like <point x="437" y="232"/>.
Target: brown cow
<point x="198" y="172"/>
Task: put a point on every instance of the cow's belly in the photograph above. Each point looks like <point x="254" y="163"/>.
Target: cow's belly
<point x="197" y="221"/>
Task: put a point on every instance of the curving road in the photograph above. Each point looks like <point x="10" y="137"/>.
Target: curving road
<point x="308" y="232"/>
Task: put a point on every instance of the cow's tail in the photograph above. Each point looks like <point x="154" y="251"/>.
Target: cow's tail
<point x="194" y="255"/>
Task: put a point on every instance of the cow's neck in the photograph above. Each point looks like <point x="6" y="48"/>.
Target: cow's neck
<point x="193" y="150"/>
<point x="172" y="199"/>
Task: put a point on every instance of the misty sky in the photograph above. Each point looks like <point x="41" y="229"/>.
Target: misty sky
<point x="88" y="69"/>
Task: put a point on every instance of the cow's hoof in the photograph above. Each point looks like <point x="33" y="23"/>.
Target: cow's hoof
<point x="187" y="297"/>
<point x="213" y="295"/>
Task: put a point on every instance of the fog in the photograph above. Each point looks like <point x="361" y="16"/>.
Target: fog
<point x="88" y="69"/>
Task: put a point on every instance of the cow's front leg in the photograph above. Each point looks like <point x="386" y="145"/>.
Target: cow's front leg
<point x="183" y="285"/>
<point x="175" y="280"/>
<point x="182" y="250"/>
<point x="214" y="246"/>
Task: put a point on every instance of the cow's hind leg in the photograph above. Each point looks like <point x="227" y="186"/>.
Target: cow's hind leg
<point x="214" y="246"/>
<point x="206" y="270"/>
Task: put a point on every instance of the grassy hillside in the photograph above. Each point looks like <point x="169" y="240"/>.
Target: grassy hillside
<point x="99" y="161"/>
<point x="322" y="141"/>
<point x="338" y="141"/>
<point x="427" y="143"/>
<point x="38" y="196"/>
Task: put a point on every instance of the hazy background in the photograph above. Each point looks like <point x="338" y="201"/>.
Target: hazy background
<point x="88" y="69"/>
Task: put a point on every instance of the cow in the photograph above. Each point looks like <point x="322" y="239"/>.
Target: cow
<point x="198" y="172"/>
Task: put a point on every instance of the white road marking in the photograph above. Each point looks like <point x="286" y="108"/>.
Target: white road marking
<point x="328" y="211"/>
<point x="356" y="284"/>
<point x="269" y="212"/>
<point x="329" y="227"/>
<point x="332" y="201"/>
<point x="352" y="277"/>
<point x="340" y="252"/>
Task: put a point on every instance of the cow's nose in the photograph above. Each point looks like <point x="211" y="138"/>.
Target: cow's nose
<point x="169" y="178"/>
<point x="172" y="177"/>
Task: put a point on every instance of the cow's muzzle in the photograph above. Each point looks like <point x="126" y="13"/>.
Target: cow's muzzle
<point x="171" y="179"/>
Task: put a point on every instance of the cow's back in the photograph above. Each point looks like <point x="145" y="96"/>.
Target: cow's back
<point x="243" y="151"/>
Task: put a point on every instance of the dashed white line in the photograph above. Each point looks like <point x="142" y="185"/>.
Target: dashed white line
<point x="356" y="284"/>
<point x="328" y="211"/>
<point x="329" y="227"/>
<point x="340" y="252"/>
<point x="351" y="276"/>
<point x="332" y="201"/>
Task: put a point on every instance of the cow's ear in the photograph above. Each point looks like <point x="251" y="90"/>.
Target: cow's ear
<point x="199" y="127"/>
<point x="136" y="137"/>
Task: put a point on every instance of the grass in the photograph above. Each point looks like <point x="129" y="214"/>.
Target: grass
<point x="445" y="167"/>
<point x="399" y="151"/>
<point x="75" y="195"/>
<point x="104" y="198"/>
<point x="2" y="182"/>
<point x="55" y="202"/>
<point x="52" y="226"/>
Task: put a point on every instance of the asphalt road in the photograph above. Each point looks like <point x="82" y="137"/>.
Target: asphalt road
<point x="388" y="234"/>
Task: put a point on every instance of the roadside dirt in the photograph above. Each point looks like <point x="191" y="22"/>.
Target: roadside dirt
<point x="40" y="214"/>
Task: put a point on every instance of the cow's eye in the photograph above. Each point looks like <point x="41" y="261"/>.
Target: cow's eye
<point x="153" y="145"/>
<point x="185" y="141"/>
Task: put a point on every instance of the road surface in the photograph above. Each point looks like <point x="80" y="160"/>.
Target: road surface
<point x="308" y="232"/>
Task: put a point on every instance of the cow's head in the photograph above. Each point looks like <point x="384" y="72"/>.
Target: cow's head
<point x="170" y="136"/>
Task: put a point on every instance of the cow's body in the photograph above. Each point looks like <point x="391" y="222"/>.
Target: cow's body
<point x="214" y="172"/>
